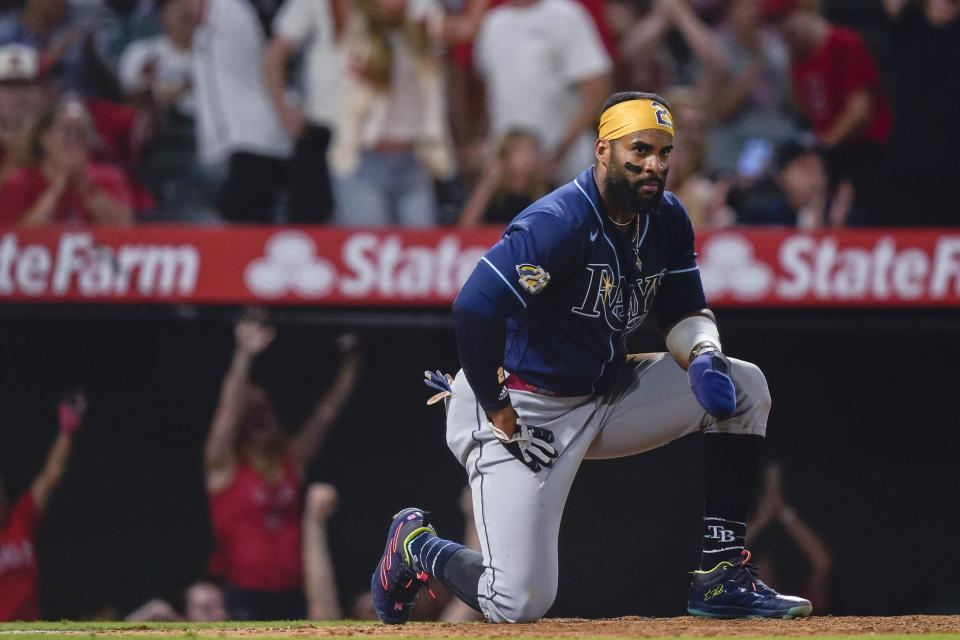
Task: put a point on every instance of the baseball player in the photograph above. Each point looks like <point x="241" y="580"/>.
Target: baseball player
<point x="546" y="382"/>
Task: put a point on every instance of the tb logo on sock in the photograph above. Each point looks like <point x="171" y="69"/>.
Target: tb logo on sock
<point x="717" y="532"/>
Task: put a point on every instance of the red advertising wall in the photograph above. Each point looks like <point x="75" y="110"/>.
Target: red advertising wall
<point x="393" y="267"/>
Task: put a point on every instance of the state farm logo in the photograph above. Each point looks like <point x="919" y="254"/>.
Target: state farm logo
<point x="75" y="264"/>
<point x="728" y="267"/>
<point x="290" y="265"/>
<point x="840" y="267"/>
<point x="369" y="265"/>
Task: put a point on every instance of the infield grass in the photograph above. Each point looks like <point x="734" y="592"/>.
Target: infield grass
<point x="295" y="629"/>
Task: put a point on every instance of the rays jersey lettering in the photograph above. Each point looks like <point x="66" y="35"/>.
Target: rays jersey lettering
<point x="623" y="306"/>
<point x="571" y="287"/>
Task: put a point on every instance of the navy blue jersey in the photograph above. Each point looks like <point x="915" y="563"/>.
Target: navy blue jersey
<point x="573" y="287"/>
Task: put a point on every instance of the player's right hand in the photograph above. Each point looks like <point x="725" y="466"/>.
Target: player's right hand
<point x="529" y="445"/>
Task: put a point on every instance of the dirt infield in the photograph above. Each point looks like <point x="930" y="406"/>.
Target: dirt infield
<point x="631" y="627"/>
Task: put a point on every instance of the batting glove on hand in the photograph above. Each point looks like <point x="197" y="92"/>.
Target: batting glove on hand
<point x="709" y="375"/>
<point x="441" y="382"/>
<point x="529" y="445"/>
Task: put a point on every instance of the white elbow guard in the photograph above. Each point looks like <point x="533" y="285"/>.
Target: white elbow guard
<point x="690" y="333"/>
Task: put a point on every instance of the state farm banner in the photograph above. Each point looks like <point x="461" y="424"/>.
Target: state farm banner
<point x="399" y="267"/>
<point x="873" y="268"/>
<point x="238" y="265"/>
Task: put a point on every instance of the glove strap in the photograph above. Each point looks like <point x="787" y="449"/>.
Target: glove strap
<point x="702" y="347"/>
<point x="519" y="432"/>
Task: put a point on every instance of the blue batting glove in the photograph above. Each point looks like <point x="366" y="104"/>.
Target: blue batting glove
<point x="709" y="375"/>
<point x="436" y="380"/>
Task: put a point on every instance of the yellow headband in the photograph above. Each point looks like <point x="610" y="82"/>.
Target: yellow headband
<point x="634" y="115"/>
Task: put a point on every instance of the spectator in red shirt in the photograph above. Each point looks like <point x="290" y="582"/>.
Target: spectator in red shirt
<point x="19" y="524"/>
<point x="839" y="90"/>
<point x="61" y="183"/>
<point x="254" y="475"/>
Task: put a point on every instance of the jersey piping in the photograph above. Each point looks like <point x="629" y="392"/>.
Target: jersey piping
<point x="505" y="281"/>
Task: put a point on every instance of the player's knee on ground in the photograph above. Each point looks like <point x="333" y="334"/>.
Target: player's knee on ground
<point x="524" y="605"/>
<point x="753" y="401"/>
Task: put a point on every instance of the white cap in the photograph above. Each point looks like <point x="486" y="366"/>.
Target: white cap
<point x="18" y="62"/>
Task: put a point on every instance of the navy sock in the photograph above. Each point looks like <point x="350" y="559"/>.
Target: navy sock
<point x="455" y="566"/>
<point x="732" y="463"/>
<point x="432" y="552"/>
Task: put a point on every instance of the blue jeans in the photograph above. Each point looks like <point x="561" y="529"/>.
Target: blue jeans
<point x="385" y="188"/>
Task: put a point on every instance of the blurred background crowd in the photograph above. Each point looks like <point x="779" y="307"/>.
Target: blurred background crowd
<point x="800" y="113"/>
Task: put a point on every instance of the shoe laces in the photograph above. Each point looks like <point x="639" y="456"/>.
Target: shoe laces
<point x="753" y="571"/>
<point x="409" y="581"/>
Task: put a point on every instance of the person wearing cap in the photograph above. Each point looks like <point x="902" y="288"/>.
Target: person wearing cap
<point x="547" y="382"/>
<point x="23" y="96"/>
<point x="838" y="89"/>
<point x="793" y="194"/>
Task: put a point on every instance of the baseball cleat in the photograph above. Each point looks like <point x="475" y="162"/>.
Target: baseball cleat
<point x="734" y="590"/>
<point x="397" y="580"/>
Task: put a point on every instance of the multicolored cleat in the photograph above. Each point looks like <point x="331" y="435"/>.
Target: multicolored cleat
<point x="734" y="590"/>
<point x="398" y="580"/>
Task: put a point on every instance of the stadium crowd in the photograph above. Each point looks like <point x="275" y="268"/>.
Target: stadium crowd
<point x="421" y="112"/>
<point x="271" y="558"/>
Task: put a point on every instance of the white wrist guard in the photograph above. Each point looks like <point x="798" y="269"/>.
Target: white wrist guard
<point x="689" y="333"/>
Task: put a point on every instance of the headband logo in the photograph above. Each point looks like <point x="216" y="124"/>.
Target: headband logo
<point x="661" y="114"/>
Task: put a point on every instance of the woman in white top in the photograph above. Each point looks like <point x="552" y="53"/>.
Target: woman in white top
<point x="392" y="138"/>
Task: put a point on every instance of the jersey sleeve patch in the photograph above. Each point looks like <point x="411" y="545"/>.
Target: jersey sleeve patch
<point x="533" y="278"/>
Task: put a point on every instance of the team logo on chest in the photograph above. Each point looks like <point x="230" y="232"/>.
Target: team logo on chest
<point x="532" y="277"/>
<point x="624" y="305"/>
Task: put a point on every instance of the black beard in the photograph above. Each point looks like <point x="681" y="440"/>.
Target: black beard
<point x="628" y="198"/>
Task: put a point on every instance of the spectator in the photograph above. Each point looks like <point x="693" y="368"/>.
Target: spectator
<point x="547" y="72"/>
<point x="629" y="20"/>
<point x="49" y="27"/>
<point x="22" y="99"/>
<point x="793" y="195"/>
<point x="202" y="602"/>
<point x="646" y="45"/>
<point x="315" y="24"/>
<point x="236" y="123"/>
<point x="925" y="87"/>
<point x="393" y="137"/>
<point x="511" y="182"/>
<point x="61" y="183"/>
<point x="753" y="104"/>
<point x="702" y="197"/>
<point x="323" y="602"/>
<point x="463" y="86"/>
<point x="254" y="475"/>
<point x="156" y="74"/>
<point x="772" y="509"/>
<point x="838" y="88"/>
<point x="19" y="523"/>
<point x="119" y="23"/>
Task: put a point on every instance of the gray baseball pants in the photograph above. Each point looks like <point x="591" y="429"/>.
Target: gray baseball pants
<point x="518" y="512"/>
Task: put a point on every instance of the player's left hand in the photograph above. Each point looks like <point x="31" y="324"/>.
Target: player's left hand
<point x="709" y="375"/>
<point x="529" y="445"/>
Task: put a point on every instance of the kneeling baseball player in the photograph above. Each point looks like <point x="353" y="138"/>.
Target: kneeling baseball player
<point x="546" y="382"/>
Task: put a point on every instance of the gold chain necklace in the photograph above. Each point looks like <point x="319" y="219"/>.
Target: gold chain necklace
<point x="623" y="224"/>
